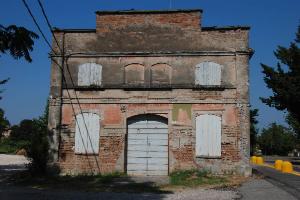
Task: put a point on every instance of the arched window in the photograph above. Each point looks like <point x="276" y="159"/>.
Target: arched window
<point x="208" y="73"/>
<point x="87" y="133"/>
<point x="89" y="74"/>
<point x="134" y="74"/>
<point x="161" y="73"/>
<point x="208" y="135"/>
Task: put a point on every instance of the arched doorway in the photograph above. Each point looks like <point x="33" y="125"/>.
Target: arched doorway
<point x="147" y="145"/>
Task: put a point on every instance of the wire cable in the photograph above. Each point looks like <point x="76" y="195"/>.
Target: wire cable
<point x="36" y="24"/>
<point x="63" y="76"/>
<point x="49" y="24"/>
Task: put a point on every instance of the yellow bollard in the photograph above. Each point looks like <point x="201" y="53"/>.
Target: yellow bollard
<point x="259" y="161"/>
<point x="287" y="167"/>
<point x="278" y="164"/>
<point x="253" y="159"/>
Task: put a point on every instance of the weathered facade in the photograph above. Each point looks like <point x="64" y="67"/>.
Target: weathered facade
<point x="150" y="92"/>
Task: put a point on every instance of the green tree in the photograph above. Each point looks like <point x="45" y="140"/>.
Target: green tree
<point x="295" y="127"/>
<point x="253" y="129"/>
<point x="293" y="123"/>
<point x="285" y="79"/>
<point x="276" y="140"/>
<point x="38" y="148"/>
<point x="4" y="123"/>
<point x="1" y="83"/>
<point x="23" y="131"/>
<point x="18" y="42"/>
<point x="32" y="135"/>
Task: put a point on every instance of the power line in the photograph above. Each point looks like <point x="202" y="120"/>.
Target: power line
<point x="61" y="51"/>
<point x="63" y="76"/>
<point x="72" y="106"/>
<point x="36" y="24"/>
<point x="49" y="24"/>
<point x="73" y="84"/>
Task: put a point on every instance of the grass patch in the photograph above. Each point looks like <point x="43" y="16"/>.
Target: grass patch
<point x="9" y="146"/>
<point x="194" y="177"/>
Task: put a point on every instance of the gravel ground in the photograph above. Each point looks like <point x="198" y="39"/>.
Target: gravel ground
<point x="255" y="189"/>
<point x="193" y="194"/>
<point x="9" y="163"/>
<point x="15" y="193"/>
<point x="12" y="160"/>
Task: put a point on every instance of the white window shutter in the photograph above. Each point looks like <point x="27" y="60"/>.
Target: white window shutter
<point x="208" y="73"/>
<point x="96" y="74"/>
<point x="94" y="128"/>
<point x="89" y="74"/>
<point x="208" y="135"/>
<point x="87" y="133"/>
<point x="83" y="75"/>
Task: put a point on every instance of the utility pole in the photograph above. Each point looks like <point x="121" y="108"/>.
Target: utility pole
<point x="170" y="4"/>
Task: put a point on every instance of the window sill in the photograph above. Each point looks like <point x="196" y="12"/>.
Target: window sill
<point x="213" y="87"/>
<point x="87" y="154"/>
<point x="151" y="87"/>
<point x="210" y="157"/>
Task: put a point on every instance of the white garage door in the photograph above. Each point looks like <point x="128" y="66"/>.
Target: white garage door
<point x="147" y="150"/>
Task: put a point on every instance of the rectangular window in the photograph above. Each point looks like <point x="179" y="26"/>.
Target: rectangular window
<point x="208" y="73"/>
<point x="87" y="133"/>
<point x="89" y="74"/>
<point x="208" y="136"/>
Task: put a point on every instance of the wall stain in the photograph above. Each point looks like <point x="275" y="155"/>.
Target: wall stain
<point x="181" y="107"/>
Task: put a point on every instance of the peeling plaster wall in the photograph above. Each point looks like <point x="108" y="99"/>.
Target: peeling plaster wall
<point x="180" y="70"/>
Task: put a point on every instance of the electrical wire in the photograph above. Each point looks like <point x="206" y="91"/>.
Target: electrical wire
<point x="61" y="68"/>
<point x="48" y="23"/>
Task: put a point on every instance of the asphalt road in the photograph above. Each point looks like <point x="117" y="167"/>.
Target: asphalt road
<point x="287" y="182"/>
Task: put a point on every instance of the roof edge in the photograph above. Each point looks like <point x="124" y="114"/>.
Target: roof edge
<point x="216" y="28"/>
<point x="73" y="30"/>
<point x="132" y="11"/>
<point x="208" y="28"/>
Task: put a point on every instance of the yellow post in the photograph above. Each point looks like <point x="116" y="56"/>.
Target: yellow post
<point x="278" y="164"/>
<point x="259" y="160"/>
<point x="253" y="159"/>
<point x="287" y="167"/>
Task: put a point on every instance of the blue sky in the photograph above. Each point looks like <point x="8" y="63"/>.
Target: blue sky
<point x="273" y="22"/>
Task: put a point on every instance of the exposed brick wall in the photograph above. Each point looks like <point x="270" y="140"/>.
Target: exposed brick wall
<point x="230" y="147"/>
<point x="181" y="138"/>
<point x="111" y="148"/>
<point x="110" y="22"/>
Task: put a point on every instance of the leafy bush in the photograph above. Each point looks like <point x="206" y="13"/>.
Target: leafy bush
<point x="38" y="149"/>
<point x="32" y="138"/>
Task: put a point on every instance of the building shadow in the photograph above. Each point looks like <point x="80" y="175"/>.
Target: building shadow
<point x="17" y="183"/>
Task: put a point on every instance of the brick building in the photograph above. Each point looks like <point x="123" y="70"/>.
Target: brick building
<point x="150" y="92"/>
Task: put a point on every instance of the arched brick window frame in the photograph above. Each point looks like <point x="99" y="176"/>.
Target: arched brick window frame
<point x="161" y="73"/>
<point x="134" y="74"/>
